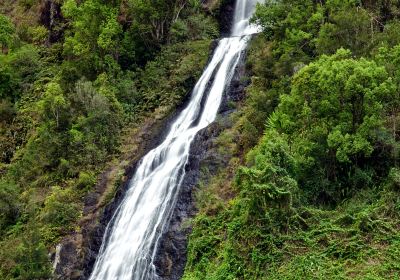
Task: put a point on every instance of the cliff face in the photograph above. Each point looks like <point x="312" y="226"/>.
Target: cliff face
<point x="52" y="19"/>
<point x="224" y="11"/>
<point x="225" y="16"/>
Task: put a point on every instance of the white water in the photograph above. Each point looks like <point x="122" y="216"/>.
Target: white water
<point x="129" y="244"/>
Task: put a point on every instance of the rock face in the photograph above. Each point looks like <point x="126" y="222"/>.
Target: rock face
<point x="172" y="250"/>
<point x="225" y="16"/>
<point x="51" y="17"/>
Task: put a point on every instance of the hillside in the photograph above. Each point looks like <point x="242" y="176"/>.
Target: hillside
<point x="85" y="86"/>
<point x="301" y="176"/>
<point x="310" y="185"/>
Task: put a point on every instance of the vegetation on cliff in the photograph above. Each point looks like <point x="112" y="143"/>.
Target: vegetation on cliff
<point x="73" y="74"/>
<point x="312" y="187"/>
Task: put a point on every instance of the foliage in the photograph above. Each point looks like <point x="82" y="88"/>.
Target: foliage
<point x="337" y="106"/>
<point x="18" y="70"/>
<point x="6" y="32"/>
<point x="31" y="259"/>
<point x="318" y="194"/>
<point x="9" y="204"/>
<point x="72" y="77"/>
<point x="95" y="33"/>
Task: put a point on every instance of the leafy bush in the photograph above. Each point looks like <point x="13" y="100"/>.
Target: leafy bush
<point x="31" y="258"/>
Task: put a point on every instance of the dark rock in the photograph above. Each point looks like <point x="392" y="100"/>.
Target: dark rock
<point x="52" y="19"/>
<point x="65" y="254"/>
<point x="225" y="16"/>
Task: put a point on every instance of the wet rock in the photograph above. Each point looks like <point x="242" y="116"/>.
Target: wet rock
<point x="225" y="16"/>
<point x="52" y="19"/>
<point x="67" y="255"/>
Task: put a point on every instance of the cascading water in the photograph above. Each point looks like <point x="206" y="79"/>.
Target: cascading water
<point x="131" y="238"/>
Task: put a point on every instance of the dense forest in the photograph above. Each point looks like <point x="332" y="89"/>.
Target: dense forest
<point x="78" y="79"/>
<point x="309" y="184"/>
<point x="312" y="186"/>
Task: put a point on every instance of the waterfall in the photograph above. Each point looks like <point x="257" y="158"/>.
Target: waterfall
<point x="131" y="238"/>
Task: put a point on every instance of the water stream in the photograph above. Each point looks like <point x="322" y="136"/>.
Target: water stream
<point x="129" y="245"/>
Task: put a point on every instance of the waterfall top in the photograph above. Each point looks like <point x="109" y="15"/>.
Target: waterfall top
<point x="243" y="11"/>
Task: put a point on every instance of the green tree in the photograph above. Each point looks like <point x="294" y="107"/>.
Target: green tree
<point x="53" y="103"/>
<point x="269" y="183"/>
<point x="31" y="258"/>
<point x="153" y="18"/>
<point x="96" y="124"/>
<point x="95" y="33"/>
<point x="335" y="115"/>
<point x="8" y="79"/>
<point x="9" y="203"/>
<point x="352" y="29"/>
<point x="18" y="71"/>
